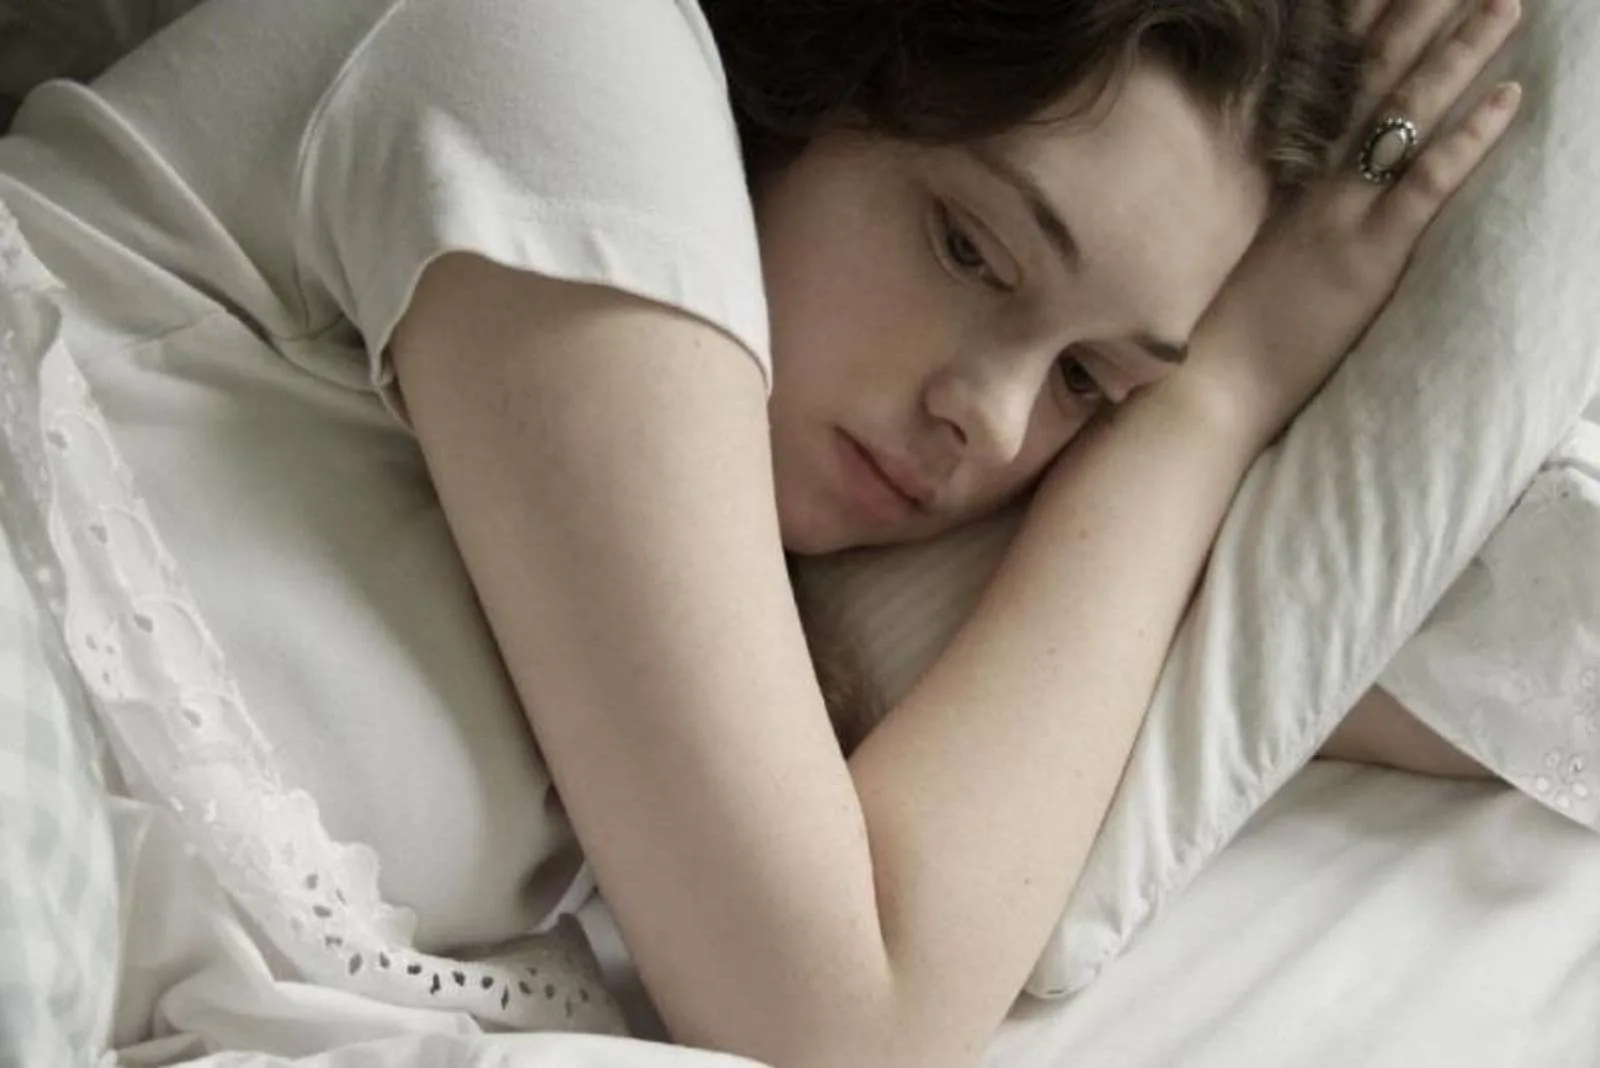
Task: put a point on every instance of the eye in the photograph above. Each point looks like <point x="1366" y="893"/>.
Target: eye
<point x="964" y="254"/>
<point x="1077" y="379"/>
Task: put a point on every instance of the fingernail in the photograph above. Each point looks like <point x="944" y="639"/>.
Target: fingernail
<point x="1507" y="94"/>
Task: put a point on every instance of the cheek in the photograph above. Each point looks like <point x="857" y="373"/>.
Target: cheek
<point x="848" y="286"/>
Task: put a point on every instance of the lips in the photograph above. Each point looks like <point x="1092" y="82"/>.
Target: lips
<point x="876" y="486"/>
<point x="906" y="482"/>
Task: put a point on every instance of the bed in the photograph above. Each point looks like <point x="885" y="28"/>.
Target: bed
<point x="1359" y="916"/>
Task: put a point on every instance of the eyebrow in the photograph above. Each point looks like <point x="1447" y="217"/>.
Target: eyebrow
<point x="1059" y="236"/>
<point x="1044" y="213"/>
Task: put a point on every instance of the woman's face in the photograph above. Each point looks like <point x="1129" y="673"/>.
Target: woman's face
<point x="946" y="320"/>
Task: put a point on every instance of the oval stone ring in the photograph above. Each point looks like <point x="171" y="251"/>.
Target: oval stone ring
<point x="1389" y="148"/>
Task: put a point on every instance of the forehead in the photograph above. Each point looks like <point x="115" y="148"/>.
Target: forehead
<point x="1161" y="193"/>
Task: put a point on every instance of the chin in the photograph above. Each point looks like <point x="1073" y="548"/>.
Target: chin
<point x="819" y="540"/>
<point x="801" y="540"/>
<point x="808" y="530"/>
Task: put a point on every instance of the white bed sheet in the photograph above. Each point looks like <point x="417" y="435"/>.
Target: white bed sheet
<point x="1366" y="918"/>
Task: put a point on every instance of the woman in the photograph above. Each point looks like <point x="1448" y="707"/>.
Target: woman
<point x="984" y="232"/>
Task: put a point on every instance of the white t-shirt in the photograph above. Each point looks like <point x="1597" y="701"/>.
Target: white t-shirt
<point x="240" y="211"/>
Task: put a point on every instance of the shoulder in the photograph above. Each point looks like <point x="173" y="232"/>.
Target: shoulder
<point x="629" y="93"/>
<point x="574" y="140"/>
<point x="605" y="48"/>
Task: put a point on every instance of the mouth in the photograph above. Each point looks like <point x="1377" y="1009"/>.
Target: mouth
<point x="880" y="490"/>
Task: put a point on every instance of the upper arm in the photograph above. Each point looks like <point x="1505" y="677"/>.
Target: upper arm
<point x="536" y="216"/>
<point x="604" y="463"/>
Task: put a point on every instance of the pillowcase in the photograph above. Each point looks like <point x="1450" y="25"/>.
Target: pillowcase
<point x="1344" y="535"/>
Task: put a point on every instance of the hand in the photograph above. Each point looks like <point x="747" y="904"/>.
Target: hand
<point x="1321" y="272"/>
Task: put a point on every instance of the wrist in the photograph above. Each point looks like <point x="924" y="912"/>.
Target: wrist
<point x="1231" y="413"/>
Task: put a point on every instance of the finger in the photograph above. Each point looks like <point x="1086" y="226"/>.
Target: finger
<point x="1399" y="41"/>
<point x="1430" y="92"/>
<point x="1435" y="176"/>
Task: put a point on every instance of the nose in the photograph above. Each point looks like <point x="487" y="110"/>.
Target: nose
<point x="983" y="410"/>
<point x="1118" y="389"/>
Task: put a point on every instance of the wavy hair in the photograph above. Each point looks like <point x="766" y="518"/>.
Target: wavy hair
<point x="951" y="71"/>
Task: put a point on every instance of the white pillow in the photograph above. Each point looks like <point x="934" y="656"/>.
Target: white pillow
<point x="1345" y="535"/>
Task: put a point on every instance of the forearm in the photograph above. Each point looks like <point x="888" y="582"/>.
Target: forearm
<point x="984" y="789"/>
<point x="1381" y="731"/>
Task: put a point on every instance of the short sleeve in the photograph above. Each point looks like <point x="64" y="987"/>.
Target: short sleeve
<point x="588" y="142"/>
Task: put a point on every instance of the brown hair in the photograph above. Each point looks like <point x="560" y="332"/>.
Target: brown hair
<point x="949" y="71"/>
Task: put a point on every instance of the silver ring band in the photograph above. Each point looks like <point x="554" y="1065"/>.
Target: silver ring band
<point x="1389" y="149"/>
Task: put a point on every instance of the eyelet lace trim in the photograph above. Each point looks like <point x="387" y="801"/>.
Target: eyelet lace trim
<point x="177" y="721"/>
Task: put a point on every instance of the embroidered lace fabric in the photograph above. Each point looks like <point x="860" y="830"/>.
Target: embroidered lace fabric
<point x="176" y="720"/>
